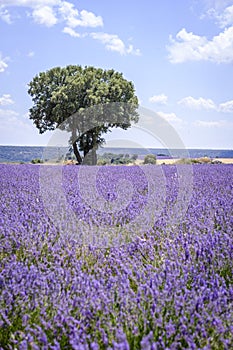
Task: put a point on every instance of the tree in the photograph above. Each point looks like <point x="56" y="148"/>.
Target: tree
<point x="84" y="101"/>
<point x="150" y="159"/>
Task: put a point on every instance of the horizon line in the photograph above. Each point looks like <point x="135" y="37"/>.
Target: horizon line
<point x="145" y="147"/>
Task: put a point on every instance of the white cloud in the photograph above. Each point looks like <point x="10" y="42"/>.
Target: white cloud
<point x="210" y="124"/>
<point x="189" y="47"/>
<point x="199" y="103"/>
<point x="207" y="104"/>
<point x="31" y="3"/>
<point x="226" y="18"/>
<point x="15" y="130"/>
<point x="5" y="15"/>
<point x="226" y="107"/>
<point x="3" y="64"/>
<point x="170" y="117"/>
<point x="162" y="99"/>
<point x="8" y="113"/>
<point x="217" y="4"/>
<point x="11" y="120"/>
<point x="223" y="16"/>
<point x="6" y="100"/>
<point x="140" y="101"/>
<point x="68" y="13"/>
<point x="47" y="12"/>
<point x="113" y="43"/>
<point x="73" y="19"/>
<point x="88" y="19"/>
<point x="51" y="12"/>
<point x="133" y="51"/>
<point x="71" y="32"/>
<point x="31" y="54"/>
<point x="45" y="16"/>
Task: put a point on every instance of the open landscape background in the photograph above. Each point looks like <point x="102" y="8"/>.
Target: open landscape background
<point x="27" y="153"/>
<point x="178" y="54"/>
<point x="119" y="257"/>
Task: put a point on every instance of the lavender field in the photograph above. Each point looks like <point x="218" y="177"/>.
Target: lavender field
<point x="169" y="287"/>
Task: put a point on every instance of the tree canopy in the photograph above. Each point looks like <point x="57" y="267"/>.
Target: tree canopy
<point x="86" y="101"/>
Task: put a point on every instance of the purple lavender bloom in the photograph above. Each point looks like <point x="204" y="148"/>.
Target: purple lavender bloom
<point x="168" y="288"/>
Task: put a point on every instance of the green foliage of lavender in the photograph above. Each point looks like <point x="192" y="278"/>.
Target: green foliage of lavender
<point x="170" y="289"/>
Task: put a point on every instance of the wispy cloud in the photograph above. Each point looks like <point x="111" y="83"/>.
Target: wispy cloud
<point x="3" y="64"/>
<point x="223" y="17"/>
<point x="110" y="41"/>
<point x="5" y="15"/>
<point x="31" y="54"/>
<point x="5" y="100"/>
<point x="226" y="107"/>
<point x="12" y="125"/>
<point x="49" y="12"/>
<point x="8" y="114"/>
<point x="71" y="32"/>
<point x="197" y="103"/>
<point x="30" y="3"/>
<point x="113" y="43"/>
<point x="170" y="117"/>
<point x="131" y="50"/>
<point x="52" y="12"/>
<point x="210" y="124"/>
<point x="160" y="99"/>
<point x="207" y="104"/>
<point x="226" y="18"/>
<point x="217" y="4"/>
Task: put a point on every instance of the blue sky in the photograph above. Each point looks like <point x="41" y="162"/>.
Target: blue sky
<point x="179" y="55"/>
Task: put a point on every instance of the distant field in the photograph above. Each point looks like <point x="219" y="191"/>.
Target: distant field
<point x="27" y="153"/>
<point x="77" y="273"/>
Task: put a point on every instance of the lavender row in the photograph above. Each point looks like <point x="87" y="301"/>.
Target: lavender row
<point x="168" y="288"/>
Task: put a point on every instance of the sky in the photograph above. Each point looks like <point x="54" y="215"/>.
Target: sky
<point x="177" y="53"/>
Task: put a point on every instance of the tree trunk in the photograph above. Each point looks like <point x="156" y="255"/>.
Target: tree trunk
<point x="90" y="157"/>
<point x="76" y="153"/>
<point x="95" y="146"/>
<point x="94" y="156"/>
